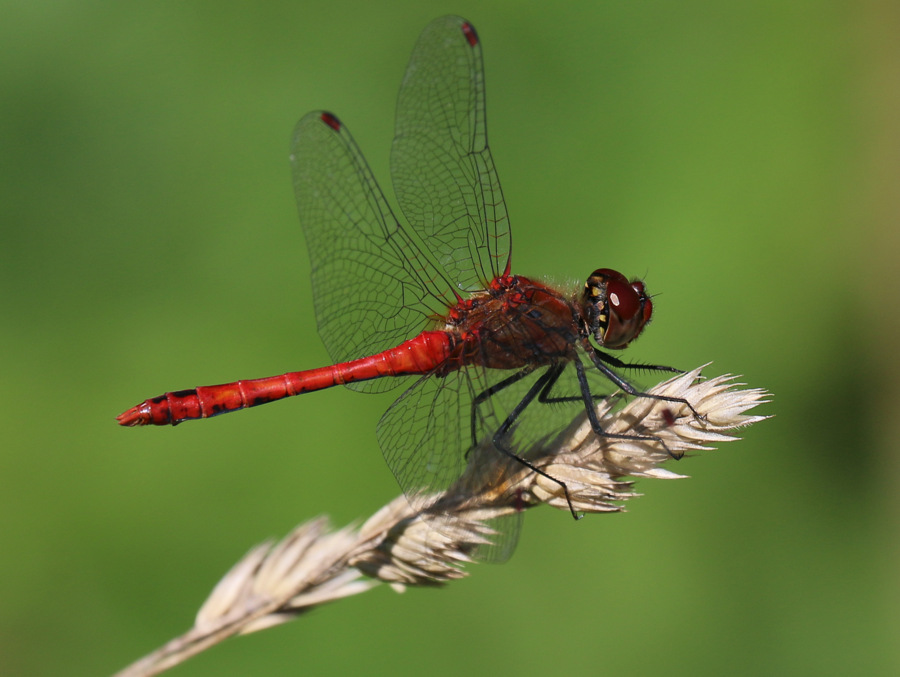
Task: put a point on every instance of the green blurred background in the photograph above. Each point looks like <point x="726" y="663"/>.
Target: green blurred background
<point x="742" y="157"/>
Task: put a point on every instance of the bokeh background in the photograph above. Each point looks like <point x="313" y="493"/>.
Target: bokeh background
<point x="742" y="157"/>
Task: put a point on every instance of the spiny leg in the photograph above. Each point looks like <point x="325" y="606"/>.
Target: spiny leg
<point x="494" y="389"/>
<point x="591" y="412"/>
<point x="501" y="436"/>
<point x="601" y="360"/>
<point x="616" y="362"/>
<point x="545" y="398"/>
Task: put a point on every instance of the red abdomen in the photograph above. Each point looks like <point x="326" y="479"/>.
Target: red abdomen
<point x="420" y="355"/>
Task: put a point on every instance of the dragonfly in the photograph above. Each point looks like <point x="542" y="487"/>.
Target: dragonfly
<point x="434" y="305"/>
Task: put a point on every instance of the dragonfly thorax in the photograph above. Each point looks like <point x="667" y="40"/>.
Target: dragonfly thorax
<point x="516" y="322"/>
<point x="614" y="309"/>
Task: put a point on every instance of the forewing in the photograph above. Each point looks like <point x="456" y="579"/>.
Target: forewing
<point x="373" y="287"/>
<point x="442" y="169"/>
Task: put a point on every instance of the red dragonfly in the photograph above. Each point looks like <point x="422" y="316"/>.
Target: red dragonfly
<point x="435" y="300"/>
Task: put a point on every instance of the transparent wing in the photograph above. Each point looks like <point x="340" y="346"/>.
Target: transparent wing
<point x="442" y="169"/>
<point x="427" y="431"/>
<point x="373" y="286"/>
<point x="377" y="282"/>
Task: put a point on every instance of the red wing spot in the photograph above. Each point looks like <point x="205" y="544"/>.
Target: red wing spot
<point x="331" y="121"/>
<point x="469" y="31"/>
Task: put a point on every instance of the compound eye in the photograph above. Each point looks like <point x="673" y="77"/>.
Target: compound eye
<point x="624" y="300"/>
<point x="646" y="303"/>
<point x="629" y="310"/>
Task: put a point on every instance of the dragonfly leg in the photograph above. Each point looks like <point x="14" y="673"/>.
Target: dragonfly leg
<point x="601" y="360"/>
<point x="546" y="398"/>
<point x="618" y="364"/>
<point x="501" y="437"/>
<point x="631" y="390"/>
<point x="496" y="388"/>
<point x="543" y="398"/>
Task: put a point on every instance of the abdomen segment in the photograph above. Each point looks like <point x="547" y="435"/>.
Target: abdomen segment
<point x="419" y="355"/>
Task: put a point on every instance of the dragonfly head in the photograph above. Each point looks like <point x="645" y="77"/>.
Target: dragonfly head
<point x="615" y="309"/>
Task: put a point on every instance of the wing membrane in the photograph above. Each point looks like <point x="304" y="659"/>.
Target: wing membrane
<point x="443" y="172"/>
<point x="372" y="284"/>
